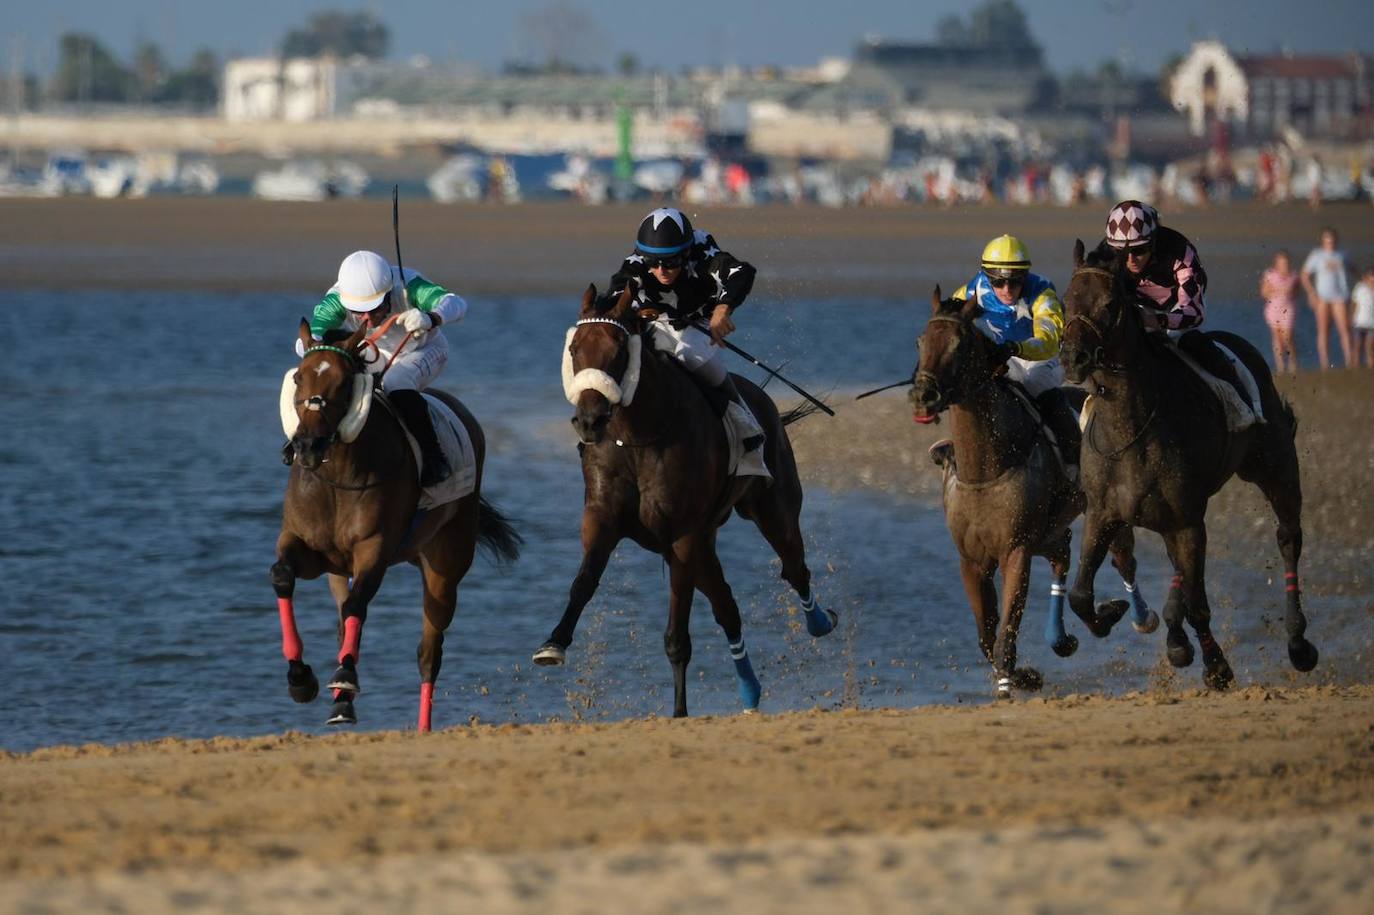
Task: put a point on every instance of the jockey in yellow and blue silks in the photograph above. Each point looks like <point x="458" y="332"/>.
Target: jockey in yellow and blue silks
<point x="1023" y="315"/>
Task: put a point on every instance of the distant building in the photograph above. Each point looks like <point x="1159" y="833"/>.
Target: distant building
<point x="273" y="89"/>
<point x="1258" y="96"/>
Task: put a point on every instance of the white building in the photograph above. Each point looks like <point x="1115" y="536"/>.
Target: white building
<point x="272" y="89"/>
<point x="1258" y="95"/>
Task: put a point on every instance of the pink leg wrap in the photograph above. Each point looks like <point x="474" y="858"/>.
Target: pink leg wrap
<point x="353" y="635"/>
<point x="426" y="706"/>
<point x="290" y="638"/>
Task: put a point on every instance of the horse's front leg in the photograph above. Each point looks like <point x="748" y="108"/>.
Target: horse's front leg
<point x="677" y="640"/>
<point x="1015" y="584"/>
<point x="711" y="581"/>
<point x="1143" y="619"/>
<point x="1098" y="534"/>
<point x="1062" y="642"/>
<point x="368" y="570"/>
<point x="294" y="560"/>
<point x="982" y="600"/>
<point x="1188" y="547"/>
<point x="599" y="538"/>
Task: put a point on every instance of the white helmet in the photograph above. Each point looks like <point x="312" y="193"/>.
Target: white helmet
<point x="364" y="280"/>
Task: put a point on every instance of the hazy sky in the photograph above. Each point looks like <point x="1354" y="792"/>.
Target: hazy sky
<point x="678" y="33"/>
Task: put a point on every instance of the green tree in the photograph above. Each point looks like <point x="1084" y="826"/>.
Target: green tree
<point x="149" y="71"/>
<point x="991" y="24"/>
<point x="197" y="86"/>
<point x="338" y="33"/>
<point x="86" y="72"/>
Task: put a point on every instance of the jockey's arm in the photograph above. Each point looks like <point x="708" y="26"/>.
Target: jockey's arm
<point x="734" y="278"/>
<point x="442" y="306"/>
<point x="328" y="315"/>
<point x="1190" y="283"/>
<point x="1047" y="323"/>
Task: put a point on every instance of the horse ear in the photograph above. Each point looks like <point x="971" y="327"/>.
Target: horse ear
<point x="935" y="299"/>
<point x="971" y="309"/>
<point x="1077" y="253"/>
<point x="625" y="298"/>
<point x="588" y="299"/>
<point x="355" y="340"/>
<point x="307" y="341"/>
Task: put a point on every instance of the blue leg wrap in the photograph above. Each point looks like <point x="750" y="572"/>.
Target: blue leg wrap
<point x="1140" y="610"/>
<point x="749" y="688"/>
<point x="1054" y="623"/>
<point x="819" y="622"/>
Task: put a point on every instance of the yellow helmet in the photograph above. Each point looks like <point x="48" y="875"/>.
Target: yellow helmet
<point x="1005" y="255"/>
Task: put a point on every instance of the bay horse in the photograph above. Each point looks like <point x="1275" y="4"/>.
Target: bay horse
<point x="351" y="512"/>
<point x="1006" y="496"/>
<point x="1157" y="447"/>
<point x="655" y="465"/>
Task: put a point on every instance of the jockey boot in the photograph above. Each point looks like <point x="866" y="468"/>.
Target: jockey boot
<point x="1058" y="414"/>
<point x="415" y="413"/>
<point x="747" y="427"/>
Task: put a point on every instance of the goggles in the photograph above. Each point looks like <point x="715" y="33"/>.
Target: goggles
<point x="672" y="262"/>
<point x="1002" y="282"/>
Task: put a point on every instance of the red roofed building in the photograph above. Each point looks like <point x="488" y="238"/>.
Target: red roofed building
<point x="1257" y="96"/>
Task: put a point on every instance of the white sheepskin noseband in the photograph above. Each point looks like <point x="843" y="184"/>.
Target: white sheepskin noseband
<point x="359" y="405"/>
<point x="595" y="379"/>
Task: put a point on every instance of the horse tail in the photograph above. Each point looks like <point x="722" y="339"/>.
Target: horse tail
<point x="496" y="533"/>
<point x="799" y="412"/>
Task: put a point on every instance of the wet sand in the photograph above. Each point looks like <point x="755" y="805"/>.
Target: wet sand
<point x="1171" y="800"/>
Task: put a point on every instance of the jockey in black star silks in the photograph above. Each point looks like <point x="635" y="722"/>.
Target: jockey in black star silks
<point x="683" y="275"/>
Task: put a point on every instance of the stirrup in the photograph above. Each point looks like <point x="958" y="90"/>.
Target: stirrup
<point x="942" y="452"/>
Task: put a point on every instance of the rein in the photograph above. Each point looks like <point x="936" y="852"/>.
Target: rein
<point x="1118" y="369"/>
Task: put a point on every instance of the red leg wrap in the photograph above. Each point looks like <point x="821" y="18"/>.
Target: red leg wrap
<point x="290" y="638"/>
<point x="426" y="706"/>
<point x="353" y="635"/>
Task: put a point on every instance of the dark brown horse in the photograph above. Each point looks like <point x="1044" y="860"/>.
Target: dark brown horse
<point x="1006" y="496"/>
<point x="655" y="464"/>
<point x="351" y="511"/>
<point x="1157" y="447"/>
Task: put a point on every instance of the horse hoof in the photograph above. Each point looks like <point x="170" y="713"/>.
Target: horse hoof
<point x="1218" y="676"/>
<point x="342" y="713"/>
<point x="1150" y="625"/>
<point x="1181" y="654"/>
<point x="302" y="683"/>
<point x="1109" y="613"/>
<point x="1066" y="646"/>
<point x="345" y="678"/>
<point x="1303" y="654"/>
<point x="550" y="655"/>
<point x="821" y="622"/>
<point x="1027" y="679"/>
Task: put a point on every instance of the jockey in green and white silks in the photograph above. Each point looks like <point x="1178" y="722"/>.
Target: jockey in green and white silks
<point x="368" y="291"/>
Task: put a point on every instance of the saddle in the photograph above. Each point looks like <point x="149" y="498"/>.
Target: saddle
<point x="1240" y="400"/>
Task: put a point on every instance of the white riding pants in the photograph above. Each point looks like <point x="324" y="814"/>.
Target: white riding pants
<point x="1036" y="377"/>
<point x="415" y="368"/>
<point x="692" y="348"/>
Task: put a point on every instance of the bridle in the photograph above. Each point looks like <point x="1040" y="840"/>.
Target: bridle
<point x="316" y="403"/>
<point x="1098" y="331"/>
<point x="922" y="375"/>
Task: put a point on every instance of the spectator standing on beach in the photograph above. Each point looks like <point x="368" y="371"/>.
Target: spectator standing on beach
<point x="1278" y="288"/>
<point x="1328" y="291"/>
<point x="1363" y="296"/>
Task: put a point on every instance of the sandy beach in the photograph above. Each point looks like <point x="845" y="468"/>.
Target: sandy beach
<point x="1171" y="799"/>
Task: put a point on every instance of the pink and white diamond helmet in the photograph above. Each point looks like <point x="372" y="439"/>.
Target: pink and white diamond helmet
<point x="1131" y="224"/>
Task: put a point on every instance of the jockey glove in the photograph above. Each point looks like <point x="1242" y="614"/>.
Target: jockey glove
<point x="1003" y="352"/>
<point x="416" y="321"/>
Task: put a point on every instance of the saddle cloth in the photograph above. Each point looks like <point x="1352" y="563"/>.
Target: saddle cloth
<point x="457" y="446"/>
<point x="1239" y="415"/>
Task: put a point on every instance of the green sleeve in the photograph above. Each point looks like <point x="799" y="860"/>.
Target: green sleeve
<point x="328" y="315"/>
<point x="423" y="294"/>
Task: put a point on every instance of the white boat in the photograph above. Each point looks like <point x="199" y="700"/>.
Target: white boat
<point x="65" y="173"/>
<point x="311" y="181"/>
<point x="459" y="179"/>
<point x="659" y="177"/>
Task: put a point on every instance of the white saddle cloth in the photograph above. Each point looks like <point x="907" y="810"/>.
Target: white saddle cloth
<point x="457" y="446"/>
<point x="740" y="424"/>
<point x="1238" y="414"/>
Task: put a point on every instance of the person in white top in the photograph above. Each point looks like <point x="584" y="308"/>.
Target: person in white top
<point x="1328" y="291"/>
<point x="1363" y="297"/>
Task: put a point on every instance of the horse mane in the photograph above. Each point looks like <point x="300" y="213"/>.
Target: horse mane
<point x="336" y="336"/>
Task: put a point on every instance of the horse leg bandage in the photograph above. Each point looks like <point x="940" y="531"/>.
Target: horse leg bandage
<point x="291" y="646"/>
<point x="749" y="688"/>
<point x="426" y="706"/>
<point x="1054" y="625"/>
<point x="353" y="636"/>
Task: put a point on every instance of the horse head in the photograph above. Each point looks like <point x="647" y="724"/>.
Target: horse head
<point x="1098" y="322"/>
<point x="333" y="395"/>
<point x="601" y="362"/>
<point x="955" y="357"/>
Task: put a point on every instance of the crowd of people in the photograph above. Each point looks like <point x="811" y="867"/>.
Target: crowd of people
<point x="1324" y="280"/>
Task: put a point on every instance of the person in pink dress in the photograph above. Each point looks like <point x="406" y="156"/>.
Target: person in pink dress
<point x="1278" y="285"/>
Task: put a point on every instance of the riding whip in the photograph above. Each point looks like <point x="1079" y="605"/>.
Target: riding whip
<point x="887" y="387"/>
<point x="396" y="233"/>
<point x="736" y="350"/>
